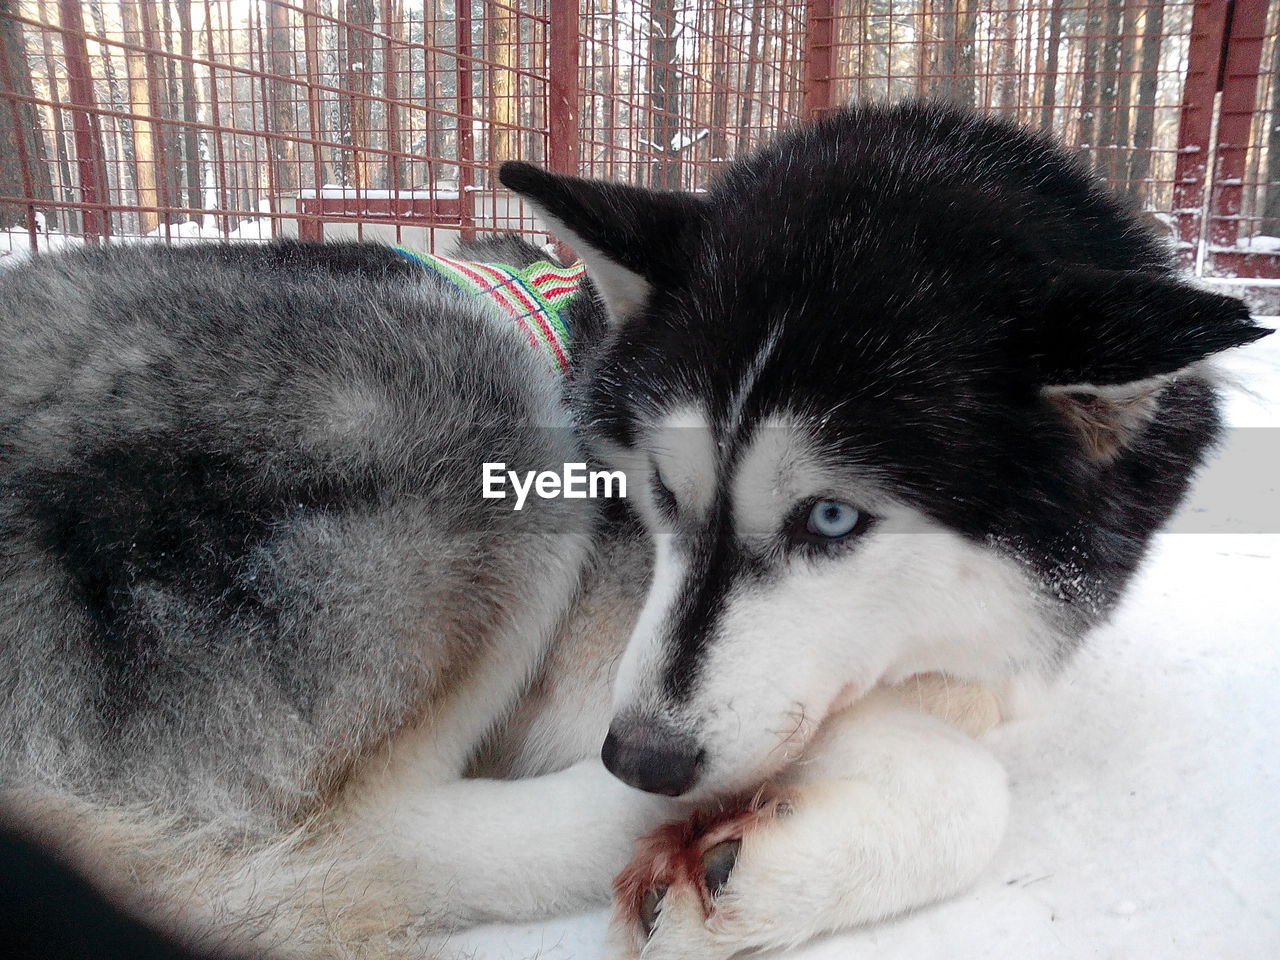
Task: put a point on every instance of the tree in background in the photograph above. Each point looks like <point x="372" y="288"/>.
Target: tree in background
<point x="1126" y="68"/>
<point x="144" y="153"/>
<point x="281" y="115"/>
<point x="1049" y="79"/>
<point x="1108" y="87"/>
<point x="190" y="136"/>
<point x="121" y="175"/>
<point x="67" y="219"/>
<point x="1145" y="110"/>
<point x="1087" y="116"/>
<point x="501" y="36"/>
<point x="664" y="95"/>
<point x="24" y="170"/>
<point x="957" y="23"/>
<point x="361" y="20"/>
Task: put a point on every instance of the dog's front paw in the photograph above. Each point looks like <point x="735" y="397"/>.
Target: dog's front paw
<point x="676" y="898"/>
<point x="889" y="809"/>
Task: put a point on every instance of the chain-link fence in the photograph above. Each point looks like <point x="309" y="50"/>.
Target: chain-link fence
<point x="185" y="119"/>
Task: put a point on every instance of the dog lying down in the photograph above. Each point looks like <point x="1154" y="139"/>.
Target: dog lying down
<point x="899" y="403"/>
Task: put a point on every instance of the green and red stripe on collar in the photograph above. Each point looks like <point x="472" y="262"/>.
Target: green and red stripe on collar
<point x="534" y="297"/>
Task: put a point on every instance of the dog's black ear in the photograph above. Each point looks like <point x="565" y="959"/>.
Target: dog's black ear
<point x="1103" y="344"/>
<point x="1110" y="327"/>
<point x="628" y="236"/>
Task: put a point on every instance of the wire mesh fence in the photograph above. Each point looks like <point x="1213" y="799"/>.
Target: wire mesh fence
<point x="184" y="119"/>
<point x="671" y="89"/>
<point x="1106" y="76"/>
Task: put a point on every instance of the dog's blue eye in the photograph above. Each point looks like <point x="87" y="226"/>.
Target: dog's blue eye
<point x="832" y="519"/>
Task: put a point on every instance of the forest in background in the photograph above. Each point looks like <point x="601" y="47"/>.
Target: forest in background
<point x="219" y="110"/>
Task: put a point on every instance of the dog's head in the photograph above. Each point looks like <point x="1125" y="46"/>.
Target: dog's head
<point x="837" y="382"/>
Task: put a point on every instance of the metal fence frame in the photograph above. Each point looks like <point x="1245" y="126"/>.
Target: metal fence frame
<point x="779" y="61"/>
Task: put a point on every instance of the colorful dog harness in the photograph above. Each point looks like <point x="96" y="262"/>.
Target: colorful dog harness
<point x="535" y="296"/>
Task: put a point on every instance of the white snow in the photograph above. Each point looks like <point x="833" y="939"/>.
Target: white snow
<point x="1146" y="811"/>
<point x="15" y="242"/>
<point x="682" y="140"/>
<point x="1260" y="244"/>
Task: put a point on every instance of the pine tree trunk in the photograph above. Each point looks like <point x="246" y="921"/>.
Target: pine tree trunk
<point x="609" y="74"/>
<point x="958" y="24"/>
<point x="1007" y="66"/>
<point x="1086" y="135"/>
<point x="360" y="72"/>
<point x="942" y="83"/>
<point x="1050" y="79"/>
<point x="1124" y="92"/>
<point x="190" y="110"/>
<point x="924" y="49"/>
<point x="1148" y="85"/>
<point x="23" y="168"/>
<point x="68" y="218"/>
<point x="280" y="115"/>
<point x="1108" y="88"/>
<point x="395" y="72"/>
<point x="162" y="33"/>
<point x="144" y="155"/>
<point x="500" y="26"/>
<point x="719" y="113"/>
<point x="966" y="35"/>
<point x="664" y="95"/>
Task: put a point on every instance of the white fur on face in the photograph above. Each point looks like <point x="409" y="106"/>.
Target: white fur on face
<point x="822" y="628"/>
<point x="683" y="450"/>
<point x="638" y="682"/>
<point x="911" y="597"/>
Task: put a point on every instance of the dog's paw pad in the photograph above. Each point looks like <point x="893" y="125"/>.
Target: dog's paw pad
<point x="717" y="864"/>
<point x="650" y="903"/>
<point x="686" y="866"/>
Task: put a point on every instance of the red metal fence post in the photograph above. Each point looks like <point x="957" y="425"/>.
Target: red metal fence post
<point x="1195" y="126"/>
<point x="84" y="118"/>
<point x="819" y="59"/>
<point x="562" y="94"/>
<point x="1242" y="60"/>
<point x="562" y="87"/>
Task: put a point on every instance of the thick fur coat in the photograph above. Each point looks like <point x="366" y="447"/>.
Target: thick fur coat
<point x="276" y="673"/>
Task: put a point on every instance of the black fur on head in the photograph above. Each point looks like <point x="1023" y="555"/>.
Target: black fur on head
<point x="1103" y="326"/>
<point x="956" y="301"/>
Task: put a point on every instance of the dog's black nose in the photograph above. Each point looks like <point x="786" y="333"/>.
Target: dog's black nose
<point x="652" y="757"/>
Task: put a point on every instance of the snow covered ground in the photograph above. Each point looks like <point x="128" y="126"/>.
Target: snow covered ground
<point x="1146" y="799"/>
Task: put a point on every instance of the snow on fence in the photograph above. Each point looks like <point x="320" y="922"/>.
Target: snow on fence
<point x="186" y="119"/>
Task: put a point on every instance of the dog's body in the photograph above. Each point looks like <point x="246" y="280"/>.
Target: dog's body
<point x="904" y="395"/>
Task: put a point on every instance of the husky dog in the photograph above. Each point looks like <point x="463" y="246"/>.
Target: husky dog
<point x="900" y="403"/>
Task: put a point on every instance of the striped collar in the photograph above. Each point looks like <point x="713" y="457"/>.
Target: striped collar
<point x="534" y="297"/>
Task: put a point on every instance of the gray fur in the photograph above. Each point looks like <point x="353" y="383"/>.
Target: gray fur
<point x="354" y="411"/>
